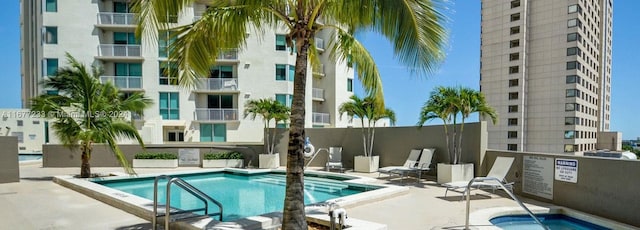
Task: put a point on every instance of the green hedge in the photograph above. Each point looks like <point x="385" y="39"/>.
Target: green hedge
<point x="156" y="156"/>
<point x="223" y="155"/>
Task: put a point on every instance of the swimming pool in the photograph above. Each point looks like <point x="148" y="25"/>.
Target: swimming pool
<point x="552" y="221"/>
<point x="29" y="157"/>
<point x="242" y="195"/>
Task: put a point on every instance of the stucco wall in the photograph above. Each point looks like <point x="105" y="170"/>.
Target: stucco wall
<point x="9" y="167"/>
<point x="606" y="187"/>
<point x="392" y="144"/>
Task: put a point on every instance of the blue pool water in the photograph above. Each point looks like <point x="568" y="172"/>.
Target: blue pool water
<point x="29" y="157"/>
<point x="241" y="195"/>
<point x="553" y="221"/>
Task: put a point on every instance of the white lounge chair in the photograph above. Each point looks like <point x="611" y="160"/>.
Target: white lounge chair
<point x="499" y="170"/>
<point x="411" y="161"/>
<point x="335" y="159"/>
<point x="423" y="165"/>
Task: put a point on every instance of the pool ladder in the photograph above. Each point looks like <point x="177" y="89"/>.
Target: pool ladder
<point x="480" y="179"/>
<point x="187" y="187"/>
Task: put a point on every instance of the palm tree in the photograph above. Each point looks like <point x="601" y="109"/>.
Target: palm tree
<point x="86" y="112"/>
<point x="367" y="109"/>
<point x="414" y="27"/>
<point x="446" y="103"/>
<point x="268" y="109"/>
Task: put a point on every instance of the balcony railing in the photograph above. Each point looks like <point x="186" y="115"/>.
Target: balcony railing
<point x="115" y="50"/>
<point x="319" y="43"/>
<point x="228" y="54"/>
<point x="321" y="118"/>
<point x="319" y="71"/>
<point x="124" y="82"/>
<point x="216" y="114"/>
<point x="110" y="18"/>
<point x="218" y="84"/>
<point x="317" y="93"/>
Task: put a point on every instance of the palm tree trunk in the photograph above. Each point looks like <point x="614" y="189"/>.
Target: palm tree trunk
<point x="266" y="138"/>
<point x="273" y="141"/>
<point x="85" y="168"/>
<point x="294" y="216"/>
<point x="446" y="137"/>
<point x="460" y="140"/>
<point x="364" y="139"/>
<point x="455" y="147"/>
<point x="373" y="136"/>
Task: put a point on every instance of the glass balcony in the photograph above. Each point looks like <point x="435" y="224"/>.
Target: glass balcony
<point x="321" y="118"/>
<point x="318" y="71"/>
<point x="124" y="82"/>
<point x="207" y="114"/>
<point x="116" y="50"/>
<point x="317" y="94"/>
<point x="218" y="84"/>
<point x="116" y="19"/>
<point x="228" y="54"/>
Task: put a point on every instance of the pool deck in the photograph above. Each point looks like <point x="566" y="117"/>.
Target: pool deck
<point x="38" y="203"/>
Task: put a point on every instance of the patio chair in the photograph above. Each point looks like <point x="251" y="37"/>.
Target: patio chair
<point x="499" y="170"/>
<point x="335" y="159"/>
<point x="423" y="165"/>
<point x="411" y="161"/>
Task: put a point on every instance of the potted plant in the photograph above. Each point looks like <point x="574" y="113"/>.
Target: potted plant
<point x="447" y="103"/>
<point x="268" y="109"/>
<point x="155" y="160"/>
<point x="223" y="160"/>
<point x="369" y="111"/>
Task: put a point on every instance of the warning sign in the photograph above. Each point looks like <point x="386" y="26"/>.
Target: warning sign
<point x="567" y="170"/>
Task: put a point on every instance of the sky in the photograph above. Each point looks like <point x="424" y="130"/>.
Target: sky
<point x="404" y="93"/>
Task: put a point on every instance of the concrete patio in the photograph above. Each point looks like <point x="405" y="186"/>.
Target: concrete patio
<point x="38" y="203"/>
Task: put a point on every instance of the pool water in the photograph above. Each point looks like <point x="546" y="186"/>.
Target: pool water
<point x="241" y="195"/>
<point x="29" y="157"/>
<point x="552" y="221"/>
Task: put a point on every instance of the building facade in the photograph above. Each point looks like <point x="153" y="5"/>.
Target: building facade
<point x="29" y="127"/>
<point x="102" y="33"/>
<point x="546" y="69"/>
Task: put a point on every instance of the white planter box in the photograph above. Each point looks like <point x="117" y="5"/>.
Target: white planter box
<point x="269" y="161"/>
<point x="460" y="172"/>
<point x="152" y="163"/>
<point x="366" y="164"/>
<point x="222" y="163"/>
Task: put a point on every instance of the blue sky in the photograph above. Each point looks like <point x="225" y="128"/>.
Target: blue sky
<point x="404" y="93"/>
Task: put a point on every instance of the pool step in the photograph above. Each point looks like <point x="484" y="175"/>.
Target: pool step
<point x="308" y="180"/>
<point x="321" y="186"/>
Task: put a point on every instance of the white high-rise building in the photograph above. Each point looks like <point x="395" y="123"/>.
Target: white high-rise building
<point x="546" y="69"/>
<point x="101" y="33"/>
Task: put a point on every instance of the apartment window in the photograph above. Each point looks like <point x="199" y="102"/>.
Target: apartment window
<point x="571" y="121"/>
<point x="285" y="99"/>
<point x="571" y="107"/>
<point x="573" y="51"/>
<point x="52" y="66"/>
<point x="123" y="38"/>
<point x="573" y="37"/>
<point x="50" y="35"/>
<point x="514" y="30"/>
<point x="570" y="148"/>
<point x="513" y="82"/>
<point x="512" y="147"/>
<point x="512" y="121"/>
<point x="512" y="134"/>
<point x="514" y="56"/>
<point x="349" y="85"/>
<point x="35" y="122"/>
<point x="572" y="92"/>
<point x="121" y="7"/>
<point x="514" y="69"/>
<point x="213" y="132"/>
<point x="52" y="92"/>
<point x="175" y="136"/>
<point x="281" y="43"/>
<point x="220" y="101"/>
<point x="292" y="72"/>
<point x="221" y="71"/>
<point x="169" y="106"/>
<point x="165" y="39"/>
<point x="572" y="79"/>
<point x="573" y="65"/>
<point x="281" y="72"/>
<point x="51" y="5"/>
<point x="573" y="23"/>
<point x="20" y="136"/>
<point x="128" y="69"/>
<point x="166" y="70"/>
<point x="19" y="122"/>
<point x="515" y="3"/>
<point x="515" y="17"/>
<point x="512" y="109"/>
<point x="513" y="96"/>
<point x="575" y="8"/>
<point x="514" y="43"/>
<point x="569" y="134"/>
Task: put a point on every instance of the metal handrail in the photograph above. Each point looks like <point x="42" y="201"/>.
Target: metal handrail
<point x="481" y="179"/>
<point x="187" y="187"/>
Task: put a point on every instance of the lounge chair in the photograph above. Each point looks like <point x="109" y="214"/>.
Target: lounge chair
<point x="423" y="165"/>
<point x="411" y="161"/>
<point x="335" y="159"/>
<point x="499" y="170"/>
